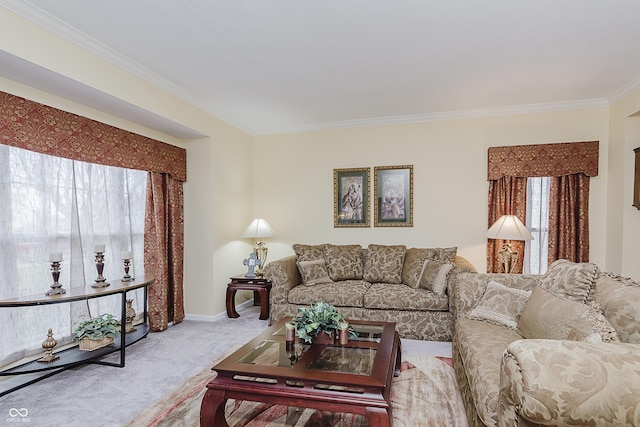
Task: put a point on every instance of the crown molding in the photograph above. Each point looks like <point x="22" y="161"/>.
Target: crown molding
<point x="447" y="115"/>
<point x="625" y="91"/>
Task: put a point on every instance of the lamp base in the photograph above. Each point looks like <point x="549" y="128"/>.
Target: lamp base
<point x="261" y="251"/>
<point x="508" y="257"/>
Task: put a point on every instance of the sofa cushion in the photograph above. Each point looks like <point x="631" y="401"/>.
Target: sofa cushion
<point x="619" y="298"/>
<point x="569" y="280"/>
<point x="308" y="252"/>
<point x="548" y="316"/>
<point x="313" y="272"/>
<point x="500" y="305"/>
<point x="481" y="346"/>
<point x="348" y="293"/>
<point x="414" y="259"/>
<point x="383" y="264"/>
<point x="403" y="297"/>
<point x="344" y="262"/>
<point x="434" y="276"/>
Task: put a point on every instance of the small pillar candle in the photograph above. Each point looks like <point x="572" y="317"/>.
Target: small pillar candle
<point x="290" y="332"/>
<point x="126" y="255"/>
<point x="98" y="248"/>
<point x="344" y="333"/>
<point x="55" y="257"/>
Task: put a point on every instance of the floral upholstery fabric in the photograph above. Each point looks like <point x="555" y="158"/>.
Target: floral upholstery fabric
<point x="331" y="293"/>
<point x="344" y="262"/>
<point x="383" y="264"/>
<point x="313" y="272"/>
<point x="619" y="298"/>
<point x="284" y="275"/>
<point x="403" y="297"/>
<point x="593" y="384"/>
<point x="548" y="381"/>
<point x="547" y="316"/>
<point x="414" y="324"/>
<point x="481" y="346"/>
<point x="435" y="275"/>
<point x="308" y="252"/>
<point x="500" y="305"/>
<point x="569" y="280"/>
<point x="414" y="259"/>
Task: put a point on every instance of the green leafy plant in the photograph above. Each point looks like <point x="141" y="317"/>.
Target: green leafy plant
<point x="320" y="317"/>
<point x="98" y="328"/>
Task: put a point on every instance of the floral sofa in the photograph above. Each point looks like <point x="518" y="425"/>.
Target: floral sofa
<point x="383" y="283"/>
<point x="556" y="349"/>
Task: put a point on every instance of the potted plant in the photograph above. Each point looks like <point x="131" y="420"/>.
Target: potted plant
<point x="321" y="322"/>
<point x="97" y="332"/>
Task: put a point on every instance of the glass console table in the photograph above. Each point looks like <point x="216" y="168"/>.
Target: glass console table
<point x="26" y="373"/>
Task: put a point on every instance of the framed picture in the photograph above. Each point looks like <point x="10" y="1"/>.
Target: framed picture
<point x="393" y="186"/>
<point x="351" y="197"/>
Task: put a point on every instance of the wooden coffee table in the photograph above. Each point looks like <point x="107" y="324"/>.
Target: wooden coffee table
<point x="354" y="378"/>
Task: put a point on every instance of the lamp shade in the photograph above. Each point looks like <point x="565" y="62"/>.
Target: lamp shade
<point x="257" y="229"/>
<point x="509" y="227"/>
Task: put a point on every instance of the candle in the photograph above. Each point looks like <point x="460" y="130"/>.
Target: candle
<point x="126" y="255"/>
<point x="98" y="248"/>
<point x="290" y="331"/>
<point x="344" y="333"/>
<point x="55" y="256"/>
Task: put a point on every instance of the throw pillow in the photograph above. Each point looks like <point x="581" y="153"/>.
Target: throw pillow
<point x="569" y="280"/>
<point x="344" y="262"/>
<point x="500" y="305"/>
<point x="414" y="259"/>
<point x="313" y="272"/>
<point x="308" y="252"/>
<point x="434" y="276"/>
<point x="548" y="316"/>
<point x="383" y="264"/>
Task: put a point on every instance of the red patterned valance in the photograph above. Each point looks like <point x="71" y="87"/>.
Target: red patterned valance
<point x="37" y="127"/>
<point x="559" y="159"/>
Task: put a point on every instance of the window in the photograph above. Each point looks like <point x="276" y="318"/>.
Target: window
<point x="536" y="250"/>
<point x="50" y="204"/>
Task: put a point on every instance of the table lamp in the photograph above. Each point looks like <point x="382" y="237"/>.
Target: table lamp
<point x="259" y="228"/>
<point x="508" y="227"/>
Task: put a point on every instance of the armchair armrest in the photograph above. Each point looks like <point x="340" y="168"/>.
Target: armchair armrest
<point x="564" y="383"/>
<point x="468" y="288"/>
<point x="284" y="275"/>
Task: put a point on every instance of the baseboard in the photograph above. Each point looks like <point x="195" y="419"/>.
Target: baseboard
<point x="219" y="316"/>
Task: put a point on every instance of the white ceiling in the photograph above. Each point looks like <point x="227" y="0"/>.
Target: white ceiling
<point x="270" y="66"/>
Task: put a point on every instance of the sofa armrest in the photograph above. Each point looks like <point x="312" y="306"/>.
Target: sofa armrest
<point x="284" y="275"/>
<point x="468" y="288"/>
<point x="545" y="382"/>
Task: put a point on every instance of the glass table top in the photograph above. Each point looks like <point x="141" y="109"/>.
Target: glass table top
<point x="333" y="358"/>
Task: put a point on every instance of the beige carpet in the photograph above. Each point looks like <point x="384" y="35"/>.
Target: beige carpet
<point x="424" y="394"/>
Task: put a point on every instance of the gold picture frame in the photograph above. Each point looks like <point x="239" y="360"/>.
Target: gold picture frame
<point x="393" y="187"/>
<point x="351" y="197"/>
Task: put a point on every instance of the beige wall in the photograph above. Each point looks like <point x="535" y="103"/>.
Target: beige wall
<point x="623" y="222"/>
<point x="294" y="188"/>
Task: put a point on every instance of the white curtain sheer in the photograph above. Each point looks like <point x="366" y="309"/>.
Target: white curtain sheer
<point x="536" y="250"/>
<point x="49" y="204"/>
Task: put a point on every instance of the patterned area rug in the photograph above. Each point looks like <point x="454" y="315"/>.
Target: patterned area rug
<point x="424" y="394"/>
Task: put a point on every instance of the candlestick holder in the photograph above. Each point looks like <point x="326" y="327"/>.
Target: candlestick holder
<point x="56" y="287"/>
<point x="101" y="282"/>
<point x="126" y="277"/>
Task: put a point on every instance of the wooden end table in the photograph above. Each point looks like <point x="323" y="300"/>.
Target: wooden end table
<point x="352" y="378"/>
<point x="261" y="288"/>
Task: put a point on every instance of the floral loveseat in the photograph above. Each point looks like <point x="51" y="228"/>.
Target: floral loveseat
<point x="580" y="362"/>
<point x="383" y="283"/>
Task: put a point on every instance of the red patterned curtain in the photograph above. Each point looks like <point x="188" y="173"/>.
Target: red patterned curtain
<point x="568" y="218"/>
<point x="37" y="127"/>
<point x="570" y="165"/>
<point x="507" y="196"/>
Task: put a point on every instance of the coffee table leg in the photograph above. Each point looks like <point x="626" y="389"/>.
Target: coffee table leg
<point x="231" y="303"/>
<point x="212" y="409"/>
<point x="378" y="417"/>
